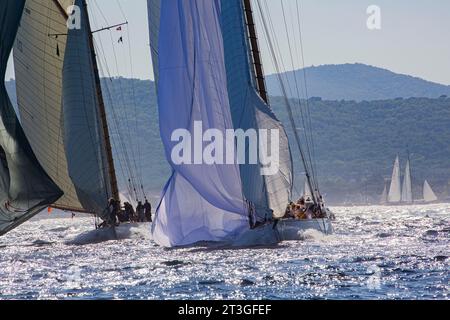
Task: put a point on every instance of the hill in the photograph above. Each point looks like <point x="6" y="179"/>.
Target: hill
<point x="357" y="82"/>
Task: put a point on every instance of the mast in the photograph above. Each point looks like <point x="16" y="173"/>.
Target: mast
<point x="102" y="111"/>
<point x="256" y="54"/>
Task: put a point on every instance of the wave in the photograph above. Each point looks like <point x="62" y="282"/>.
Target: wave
<point x="122" y="232"/>
<point x="313" y="235"/>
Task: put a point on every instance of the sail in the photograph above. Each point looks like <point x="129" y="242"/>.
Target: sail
<point x="384" y="195"/>
<point x="25" y="188"/>
<point x="395" y="193"/>
<point x="407" y="195"/>
<point x="82" y="129"/>
<point x="308" y="193"/>
<point x="38" y="62"/>
<point x="58" y="103"/>
<point x="428" y="193"/>
<point x="154" y="9"/>
<point x="271" y="193"/>
<point x="200" y="202"/>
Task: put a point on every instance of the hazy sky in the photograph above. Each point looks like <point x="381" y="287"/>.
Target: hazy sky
<point x="414" y="38"/>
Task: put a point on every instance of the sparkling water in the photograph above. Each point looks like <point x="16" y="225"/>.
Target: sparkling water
<point x="376" y="253"/>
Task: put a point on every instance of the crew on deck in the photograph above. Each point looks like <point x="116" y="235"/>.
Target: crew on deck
<point x="305" y="210"/>
<point x="140" y="211"/>
<point x="148" y="211"/>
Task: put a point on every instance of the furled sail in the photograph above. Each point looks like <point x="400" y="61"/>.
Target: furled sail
<point x="25" y="188"/>
<point x="38" y="60"/>
<point x="395" y="192"/>
<point x="201" y="202"/>
<point x="269" y="193"/>
<point x="58" y="99"/>
<point x="428" y="193"/>
<point x="407" y="195"/>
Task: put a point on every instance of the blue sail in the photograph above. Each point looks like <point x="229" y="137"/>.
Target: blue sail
<point x="201" y="202"/>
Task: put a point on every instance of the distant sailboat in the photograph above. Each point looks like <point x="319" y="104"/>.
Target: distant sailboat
<point x="395" y="192"/>
<point x="403" y="194"/>
<point x="428" y="193"/>
<point x="25" y="187"/>
<point x="212" y="62"/>
<point x="407" y="196"/>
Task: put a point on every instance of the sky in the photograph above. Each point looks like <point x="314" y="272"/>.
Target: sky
<point x="413" y="39"/>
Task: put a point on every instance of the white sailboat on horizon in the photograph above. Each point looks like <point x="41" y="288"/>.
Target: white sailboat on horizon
<point x="428" y="194"/>
<point x="401" y="193"/>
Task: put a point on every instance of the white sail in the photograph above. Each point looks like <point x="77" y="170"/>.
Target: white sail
<point x="307" y="193"/>
<point x="428" y="193"/>
<point x="407" y="195"/>
<point x="38" y="62"/>
<point x="395" y="192"/>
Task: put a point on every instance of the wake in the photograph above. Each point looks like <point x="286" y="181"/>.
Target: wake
<point x="129" y="231"/>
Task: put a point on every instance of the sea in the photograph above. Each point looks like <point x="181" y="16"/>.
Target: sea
<point x="375" y="253"/>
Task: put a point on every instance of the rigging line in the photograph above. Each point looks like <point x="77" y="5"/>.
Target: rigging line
<point x="287" y="102"/>
<point x="121" y="156"/>
<point x="280" y="74"/>
<point x="123" y="145"/>
<point x="133" y="88"/>
<point x="308" y="109"/>
<point x="137" y="126"/>
<point x="125" y="113"/>
<point x="117" y="126"/>
<point x="296" y="84"/>
<point x="306" y="120"/>
<point x="120" y="160"/>
<point x="137" y="149"/>
<point x="284" y="74"/>
<point x="307" y="126"/>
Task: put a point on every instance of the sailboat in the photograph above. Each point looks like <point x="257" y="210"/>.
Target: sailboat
<point x="428" y="194"/>
<point x="209" y="77"/>
<point x="62" y="108"/>
<point x="402" y="194"/>
<point x="395" y="191"/>
<point x="25" y="187"/>
<point x="407" y="195"/>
